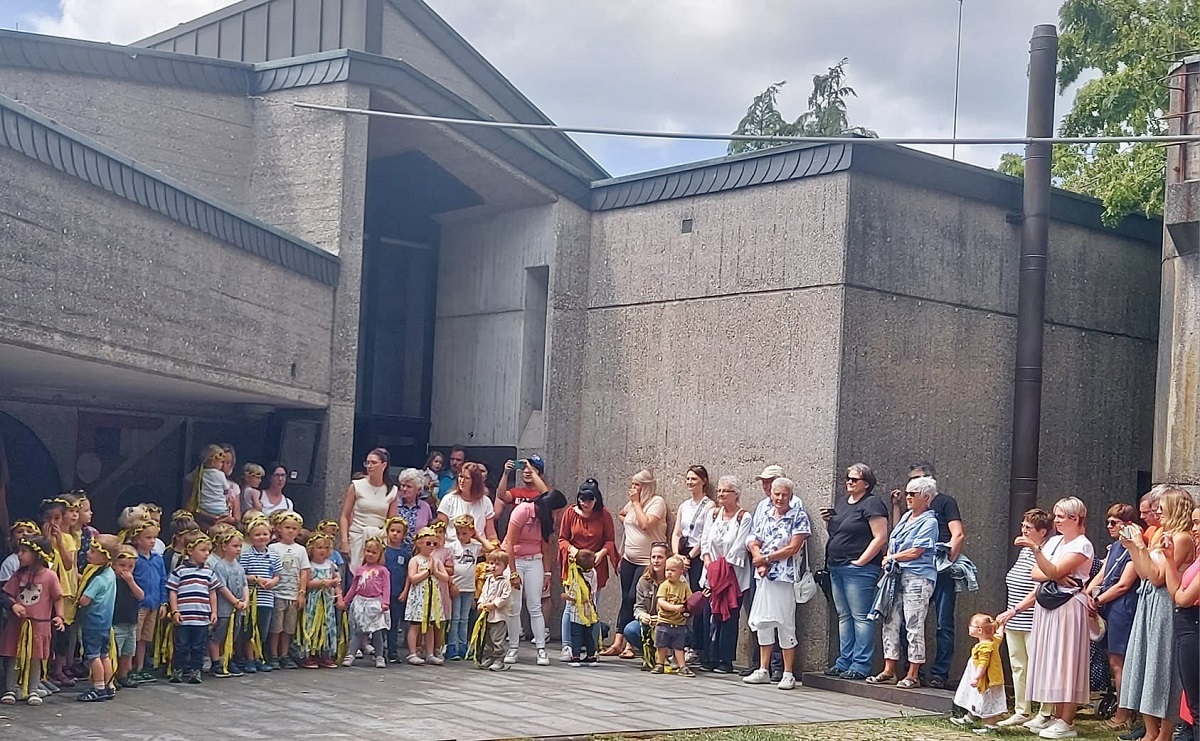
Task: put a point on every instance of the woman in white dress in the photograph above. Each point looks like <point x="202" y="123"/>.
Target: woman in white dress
<point x="366" y="506"/>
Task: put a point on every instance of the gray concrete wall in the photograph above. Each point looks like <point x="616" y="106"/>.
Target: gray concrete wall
<point x="202" y="139"/>
<point x="928" y="355"/>
<point x="309" y="179"/>
<point x="479" y="326"/>
<point x="90" y="275"/>
<point x="719" y="347"/>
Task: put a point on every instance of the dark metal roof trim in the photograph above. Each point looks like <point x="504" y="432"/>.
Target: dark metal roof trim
<point x="925" y="170"/>
<point x="37" y="137"/>
<point x="38" y="51"/>
<point x="401" y="78"/>
<point x="725" y="173"/>
<point x="479" y="69"/>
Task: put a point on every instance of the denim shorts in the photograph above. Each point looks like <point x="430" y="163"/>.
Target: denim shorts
<point x="671" y="637"/>
<point x="95" y="644"/>
<point x="126" y="638"/>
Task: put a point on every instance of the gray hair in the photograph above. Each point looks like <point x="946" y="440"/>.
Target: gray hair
<point x="786" y="483"/>
<point x="412" y="476"/>
<point x="1151" y="498"/>
<point x="731" y="482"/>
<point x="925" y="486"/>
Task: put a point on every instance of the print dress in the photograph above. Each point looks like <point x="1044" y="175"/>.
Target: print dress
<point x="320" y="631"/>
<point x="419" y="597"/>
<point x="38" y="593"/>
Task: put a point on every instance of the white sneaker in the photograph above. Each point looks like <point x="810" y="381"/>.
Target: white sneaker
<point x="759" y="676"/>
<point x="1058" y="729"/>
<point x="542" y="658"/>
<point x="511" y="656"/>
<point x="565" y="654"/>
<point x="1039" y="723"/>
<point x="1016" y="719"/>
<point x="380" y="662"/>
<point x="435" y="660"/>
<point x="787" y="681"/>
<point x="499" y="666"/>
<point x="206" y="665"/>
<point x="985" y="730"/>
<point x="349" y="660"/>
<point x="415" y="660"/>
<point x="965" y="721"/>
<point x="370" y="650"/>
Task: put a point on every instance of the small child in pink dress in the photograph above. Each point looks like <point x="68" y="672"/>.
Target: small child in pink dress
<point x="37" y="600"/>
<point x="368" y="603"/>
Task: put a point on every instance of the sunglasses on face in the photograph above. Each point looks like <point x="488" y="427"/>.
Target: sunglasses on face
<point x="1112" y="523"/>
<point x="852" y="480"/>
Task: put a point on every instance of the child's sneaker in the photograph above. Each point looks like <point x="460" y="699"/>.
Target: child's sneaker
<point x="542" y="658"/>
<point x="567" y="654"/>
<point x="275" y="664"/>
<point x="250" y="667"/>
<point x="328" y="663"/>
<point x="380" y="662"/>
<point x="126" y="682"/>
<point x="54" y="688"/>
<point x="194" y="678"/>
<point x="288" y="663"/>
<point x="220" y="672"/>
<point x="965" y="720"/>
<point x="349" y="660"/>
<point x="310" y="663"/>
<point x="235" y="669"/>
<point x="511" y="656"/>
<point x="575" y="662"/>
<point x="206" y="665"/>
<point x="498" y="666"/>
<point x="176" y="678"/>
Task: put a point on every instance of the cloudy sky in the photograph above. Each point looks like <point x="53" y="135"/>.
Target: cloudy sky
<point x="696" y="64"/>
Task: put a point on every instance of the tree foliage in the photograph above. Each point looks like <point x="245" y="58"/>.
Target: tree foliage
<point x="1131" y="44"/>
<point x="826" y="114"/>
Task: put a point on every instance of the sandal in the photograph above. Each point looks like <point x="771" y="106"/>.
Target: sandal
<point x="907" y="684"/>
<point x="1109" y="725"/>
<point x="611" y="651"/>
<point x="8" y="698"/>
<point x="628" y="654"/>
<point x="686" y="671"/>
<point x="882" y="678"/>
<point x="93" y="695"/>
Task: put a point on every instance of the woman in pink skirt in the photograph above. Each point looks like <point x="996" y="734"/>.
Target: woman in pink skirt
<point x="1058" y="645"/>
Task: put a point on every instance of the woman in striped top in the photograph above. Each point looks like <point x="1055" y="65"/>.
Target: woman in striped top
<point x="1018" y="619"/>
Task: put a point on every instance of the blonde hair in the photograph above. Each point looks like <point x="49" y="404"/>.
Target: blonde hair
<point x="645" y="478"/>
<point x="211" y="454"/>
<point x="1073" y="507"/>
<point x="131" y="516"/>
<point x="252" y="469"/>
<point x="675" y="562"/>
<point x="986" y="622"/>
<point x="498" y="556"/>
<point x="1177" y="506"/>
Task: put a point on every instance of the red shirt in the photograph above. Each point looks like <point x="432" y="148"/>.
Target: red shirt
<point x="592" y="533"/>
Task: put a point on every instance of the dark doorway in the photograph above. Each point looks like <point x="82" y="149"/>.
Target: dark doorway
<point x="398" y="302"/>
<point x="32" y="472"/>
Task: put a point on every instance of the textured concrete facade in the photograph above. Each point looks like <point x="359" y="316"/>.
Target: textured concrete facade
<point x="88" y="275"/>
<point x="1177" y="413"/>
<point x="203" y="139"/>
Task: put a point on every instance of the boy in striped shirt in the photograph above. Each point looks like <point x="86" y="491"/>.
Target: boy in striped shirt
<point x="192" y="589"/>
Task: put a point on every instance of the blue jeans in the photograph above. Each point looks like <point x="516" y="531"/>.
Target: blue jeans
<point x="633" y="634"/>
<point x="566" y="631"/>
<point x="460" y="619"/>
<point x="191" y="641"/>
<point x="943" y="612"/>
<point x="853" y="594"/>
<point x="723" y="636"/>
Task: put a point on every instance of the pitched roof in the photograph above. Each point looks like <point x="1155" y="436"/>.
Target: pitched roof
<point x="30" y="133"/>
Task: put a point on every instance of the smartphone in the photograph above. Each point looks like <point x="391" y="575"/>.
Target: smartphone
<point x="1128" y="532"/>
<point x="518" y="465"/>
<point x="827" y="512"/>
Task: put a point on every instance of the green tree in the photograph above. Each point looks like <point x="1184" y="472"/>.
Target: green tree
<point x="826" y="114"/>
<point x="1130" y="43"/>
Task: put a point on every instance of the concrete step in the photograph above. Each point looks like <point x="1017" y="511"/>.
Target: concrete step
<point x="924" y="698"/>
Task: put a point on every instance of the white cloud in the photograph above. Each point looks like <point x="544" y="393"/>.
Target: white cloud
<point x="695" y="64"/>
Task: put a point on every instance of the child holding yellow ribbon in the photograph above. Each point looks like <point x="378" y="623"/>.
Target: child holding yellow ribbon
<point x="318" y="629"/>
<point x="232" y="598"/>
<point x="424" y="610"/>
<point x="97" y="599"/>
<point x="37" y="606"/>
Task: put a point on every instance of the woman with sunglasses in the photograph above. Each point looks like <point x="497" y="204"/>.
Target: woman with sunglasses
<point x="858" y="533"/>
<point x="1113" y="594"/>
<point x="587" y="525"/>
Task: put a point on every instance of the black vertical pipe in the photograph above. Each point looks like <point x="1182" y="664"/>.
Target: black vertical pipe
<point x="1031" y="292"/>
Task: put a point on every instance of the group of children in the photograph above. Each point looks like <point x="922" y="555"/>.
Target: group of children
<point x="126" y="609"/>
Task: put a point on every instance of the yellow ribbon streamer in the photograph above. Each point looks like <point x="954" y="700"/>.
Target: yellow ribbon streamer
<point x="585" y="610"/>
<point x="253" y="630"/>
<point x="315" y="637"/>
<point x="477" y="638"/>
<point x="164" y="642"/>
<point x="25" y="656"/>
<point x="433" y="604"/>
<point x="343" y="644"/>
<point x="227" y="642"/>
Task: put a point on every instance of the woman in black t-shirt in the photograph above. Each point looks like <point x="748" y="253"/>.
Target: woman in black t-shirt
<point x="858" y="532"/>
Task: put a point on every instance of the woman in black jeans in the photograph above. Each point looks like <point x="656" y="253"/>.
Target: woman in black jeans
<point x="644" y="518"/>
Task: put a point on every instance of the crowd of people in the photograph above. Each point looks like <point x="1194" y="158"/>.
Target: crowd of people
<point x="435" y="567"/>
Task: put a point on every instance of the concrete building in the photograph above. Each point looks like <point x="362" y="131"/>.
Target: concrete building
<point x="194" y="258"/>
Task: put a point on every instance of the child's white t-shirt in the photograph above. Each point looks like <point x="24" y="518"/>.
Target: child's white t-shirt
<point x="9" y="567"/>
<point x="212" y="492"/>
<point x="465" y="556"/>
<point x="294" y="558"/>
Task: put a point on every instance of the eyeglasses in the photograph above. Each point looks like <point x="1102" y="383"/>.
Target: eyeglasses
<point x="852" y="480"/>
<point x="726" y="491"/>
<point x="1112" y="523"/>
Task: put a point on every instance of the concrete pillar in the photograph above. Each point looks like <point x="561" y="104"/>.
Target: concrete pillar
<point x="1177" y="407"/>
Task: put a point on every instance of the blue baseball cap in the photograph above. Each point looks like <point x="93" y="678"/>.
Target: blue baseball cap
<point x="537" y="462"/>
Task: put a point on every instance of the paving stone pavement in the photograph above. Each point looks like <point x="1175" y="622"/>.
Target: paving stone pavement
<point x="455" y="701"/>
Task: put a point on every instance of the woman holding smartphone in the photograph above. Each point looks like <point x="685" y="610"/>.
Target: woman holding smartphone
<point x="858" y="532"/>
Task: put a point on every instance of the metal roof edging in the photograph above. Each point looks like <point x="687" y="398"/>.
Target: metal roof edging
<point x="78" y="156"/>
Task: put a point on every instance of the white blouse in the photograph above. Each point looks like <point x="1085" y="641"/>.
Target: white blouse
<point x="727" y="537"/>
